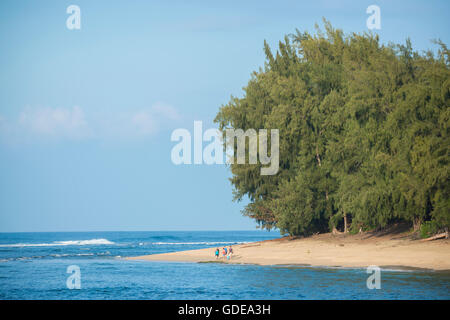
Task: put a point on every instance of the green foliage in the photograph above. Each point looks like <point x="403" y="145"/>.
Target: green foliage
<point x="364" y="132"/>
<point x="428" y="228"/>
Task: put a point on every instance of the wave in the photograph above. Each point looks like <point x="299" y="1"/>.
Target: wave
<point x="63" y="255"/>
<point x="60" y="243"/>
<point x="201" y="242"/>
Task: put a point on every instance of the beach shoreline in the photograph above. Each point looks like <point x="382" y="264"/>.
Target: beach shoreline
<point x="391" y="251"/>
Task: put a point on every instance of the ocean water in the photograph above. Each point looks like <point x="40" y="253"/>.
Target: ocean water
<point x="34" y="266"/>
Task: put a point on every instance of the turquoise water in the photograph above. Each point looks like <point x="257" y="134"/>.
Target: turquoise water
<point x="34" y="266"/>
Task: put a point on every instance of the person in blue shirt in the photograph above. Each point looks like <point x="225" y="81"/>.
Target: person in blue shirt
<point x="217" y="253"/>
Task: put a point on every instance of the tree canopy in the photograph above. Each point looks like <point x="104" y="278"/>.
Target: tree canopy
<point x="364" y="134"/>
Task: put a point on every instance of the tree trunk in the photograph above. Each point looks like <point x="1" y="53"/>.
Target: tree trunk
<point x="438" y="236"/>
<point x="336" y="231"/>
<point x="345" y="223"/>
<point x="318" y="156"/>
<point x="416" y="224"/>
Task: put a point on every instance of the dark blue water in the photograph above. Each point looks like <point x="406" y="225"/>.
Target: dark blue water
<point x="34" y="266"/>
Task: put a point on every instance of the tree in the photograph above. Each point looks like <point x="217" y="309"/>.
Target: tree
<point x="364" y="134"/>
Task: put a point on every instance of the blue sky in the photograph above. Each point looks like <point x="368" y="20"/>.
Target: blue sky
<point x="86" y="115"/>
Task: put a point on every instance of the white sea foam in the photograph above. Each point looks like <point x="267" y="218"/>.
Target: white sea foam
<point x="73" y="255"/>
<point x="194" y="243"/>
<point x="60" y="243"/>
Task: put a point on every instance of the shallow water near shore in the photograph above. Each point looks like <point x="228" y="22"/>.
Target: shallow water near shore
<point x="34" y="266"/>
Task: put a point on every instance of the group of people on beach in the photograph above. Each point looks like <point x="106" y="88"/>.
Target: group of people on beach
<point x="225" y="252"/>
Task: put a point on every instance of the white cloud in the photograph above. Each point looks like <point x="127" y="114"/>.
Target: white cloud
<point x="144" y="123"/>
<point x="72" y="124"/>
<point x="166" y="111"/>
<point x="139" y="123"/>
<point x="55" y="122"/>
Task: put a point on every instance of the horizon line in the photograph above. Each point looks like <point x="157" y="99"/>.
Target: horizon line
<point x="75" y="231"/>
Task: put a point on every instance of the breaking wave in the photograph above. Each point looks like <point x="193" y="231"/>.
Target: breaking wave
<point x="194" y="243"/>
<point x="60" y="243"/>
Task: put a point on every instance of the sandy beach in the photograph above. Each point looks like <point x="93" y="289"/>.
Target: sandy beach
<point x="396" y="251"/>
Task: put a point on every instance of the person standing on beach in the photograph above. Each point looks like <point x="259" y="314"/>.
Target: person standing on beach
<point x="224" y="252"/>
<point x="217" y="253"/>
<point x="230" y="252"/>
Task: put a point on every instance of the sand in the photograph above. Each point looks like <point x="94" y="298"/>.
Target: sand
<point x="396" y="251"/>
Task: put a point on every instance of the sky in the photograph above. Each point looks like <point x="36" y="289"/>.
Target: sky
<point x="86" y="115"/>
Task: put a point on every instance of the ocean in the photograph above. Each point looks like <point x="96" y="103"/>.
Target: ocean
<point x="36" y="265"/>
